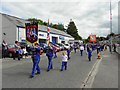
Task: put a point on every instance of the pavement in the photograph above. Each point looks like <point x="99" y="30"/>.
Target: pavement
<point x="15" y="74"/>
<point x="107" y="76"/>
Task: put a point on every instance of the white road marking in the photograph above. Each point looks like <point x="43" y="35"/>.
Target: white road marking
<point x="87" y="83"/>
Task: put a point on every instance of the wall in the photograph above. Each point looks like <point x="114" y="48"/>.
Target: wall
<point x="20" y="34"/>
<point x="42" y="35"/>
<point x="53" y="35"/>
<point x="0" y="28"/>
<point x="10" y="29"/>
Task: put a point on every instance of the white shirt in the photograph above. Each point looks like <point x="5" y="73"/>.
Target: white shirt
<point x="64" y="58"/>
<point x="81" y="48"/>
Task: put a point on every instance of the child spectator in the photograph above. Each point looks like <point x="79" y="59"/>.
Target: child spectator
<point x="25" y="52"/>
<point x="20" y="53"/>
<point x="64" y="61"/>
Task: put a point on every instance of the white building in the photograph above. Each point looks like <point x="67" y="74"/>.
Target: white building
<point x="13" y="28"/>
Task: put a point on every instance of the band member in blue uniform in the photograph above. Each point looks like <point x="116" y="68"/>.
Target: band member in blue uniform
<point x="68" y="53"/>
<point x="36" y="60"/>
<point x="75" y="47"/>
<point x="49" y="54"/>
<point x="89" y="54"/>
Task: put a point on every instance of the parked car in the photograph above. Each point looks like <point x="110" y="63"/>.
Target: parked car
<point x="11" y="50"/>
<point x="44" y="47"/>
<point x="56" y="47"/>
<point x="61" y="46"/>
<point x="23" y="44"/>
<point x="66" y="46"/>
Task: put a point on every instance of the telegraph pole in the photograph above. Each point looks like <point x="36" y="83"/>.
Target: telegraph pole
<point x="110" y="26"/>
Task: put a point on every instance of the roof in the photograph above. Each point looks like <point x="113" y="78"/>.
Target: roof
<point x="54" y="31"/>
<point x="15" y="20"/>
<point x="21" y="22"/>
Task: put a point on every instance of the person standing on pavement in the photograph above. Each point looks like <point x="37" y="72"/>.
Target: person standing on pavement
<point x="49" y="54"/>
<point x="20" y="53"/>
<point x="36" y="60"/>
<point x="114" y="47"/>
<point x="81" y="50"/>
<point x="110" y="49"/>
<point x="4" y="49"/>
<point x="64" y="61"/>
<point x="17" y="46"/>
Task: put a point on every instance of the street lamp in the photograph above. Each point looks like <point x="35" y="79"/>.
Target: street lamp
<point x="111" y="26"/>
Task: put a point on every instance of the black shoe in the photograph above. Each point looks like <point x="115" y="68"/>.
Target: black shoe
<point x="48" y="70"/>
<point x="37" y="73"/>
<point x="31" y="76"/>
<point x="61" y="70"/>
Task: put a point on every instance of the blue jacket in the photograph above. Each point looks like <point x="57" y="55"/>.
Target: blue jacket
<point x="36" y="56"/>
<point x="68" y="51"/>
<point x="49" y="52"/>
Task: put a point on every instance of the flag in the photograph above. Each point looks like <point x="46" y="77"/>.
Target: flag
<point x="48" y="32"/>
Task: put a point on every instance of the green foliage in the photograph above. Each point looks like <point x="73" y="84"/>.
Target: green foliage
<point x="109" y="35"/>
<point x="72" y="30"/>
<point x="40" y="22"/>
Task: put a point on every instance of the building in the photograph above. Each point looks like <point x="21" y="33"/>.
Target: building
<point x="13" y="28"/>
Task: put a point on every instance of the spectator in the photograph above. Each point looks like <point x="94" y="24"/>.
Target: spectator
<point x="64" y="61"/>
<point x="17" y="46"/>
<point x="114" y="47"/>
<point x="20" y="53"/>
<point x="4" y="49"/>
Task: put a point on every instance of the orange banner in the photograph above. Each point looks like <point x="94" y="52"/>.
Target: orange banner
<point x="92" y="38"/>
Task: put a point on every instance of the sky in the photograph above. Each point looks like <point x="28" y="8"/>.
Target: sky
<point x="90" y="16"/>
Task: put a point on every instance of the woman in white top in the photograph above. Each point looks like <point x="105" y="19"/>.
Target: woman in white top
<point x="64" y="61"/>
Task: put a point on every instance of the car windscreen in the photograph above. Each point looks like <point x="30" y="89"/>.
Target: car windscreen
<point x="11" y="46"/>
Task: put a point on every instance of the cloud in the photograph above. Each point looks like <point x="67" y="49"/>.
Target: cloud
<point x="90" y="16"/>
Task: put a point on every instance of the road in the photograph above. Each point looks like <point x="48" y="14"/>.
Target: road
<point x="15" y="74"/>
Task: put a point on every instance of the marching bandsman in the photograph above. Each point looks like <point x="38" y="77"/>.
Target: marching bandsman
<point x="89" y="54"/>
<point x="68" y="53"/>
<point x="49" y="54"/>
<point x="36" y="60"/>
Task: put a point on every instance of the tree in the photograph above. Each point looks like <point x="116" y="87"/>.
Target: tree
<point x="109" y="35"/>
<point x="72" y="30"/>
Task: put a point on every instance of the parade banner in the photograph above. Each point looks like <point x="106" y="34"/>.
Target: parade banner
<point x="31" y="32"/>
<point x="92" y="38"/>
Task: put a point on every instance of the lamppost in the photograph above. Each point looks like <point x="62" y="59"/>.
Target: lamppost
<point x="110" y="27"/>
